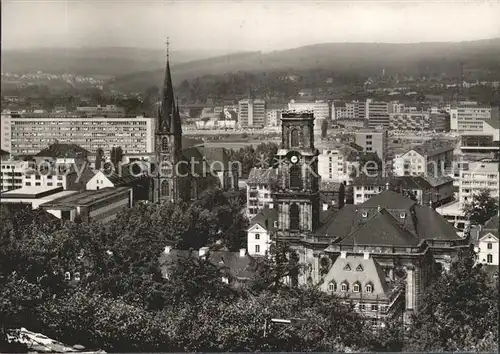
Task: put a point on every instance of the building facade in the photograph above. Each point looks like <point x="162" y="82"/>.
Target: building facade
<point x="337" y="163"/>
<point x="31" y="133"/>
<point x="478" y="176"/>
<point x="260" y="183"/>
<point x="377" y="114"/>
<point x="252" y="113"/>
<point x="374" y="141"/>
<point x="12" y="173"/>
<point x="429" y="159"/>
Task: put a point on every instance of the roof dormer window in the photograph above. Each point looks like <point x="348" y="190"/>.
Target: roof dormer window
<point x="347" y="267"/>
<point x="402" y="215"/>
<point x="364" y="214"/>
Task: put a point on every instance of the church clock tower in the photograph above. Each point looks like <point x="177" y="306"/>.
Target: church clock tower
<point x="297" y="192"/>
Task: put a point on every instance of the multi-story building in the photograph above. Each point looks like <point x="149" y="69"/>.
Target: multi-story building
<point x="337" y="162"/>
<point x="406" y="239"/>
<point x="108" y="110"/>
<point x="252" y="113"/>
<point x="478" y="176"/>
<point x="349" y="110"/>
<point x="377" y="114"/>
<point x="362" y="279"/>
<point x="486" y="239"/>
<point x="259" y="185"/>
<point x="5" y="137"/>
<point x="273" y="117"/>
<point x="31" y="133"/>
<point x="429" y="159"/>
<point x="261" y="232"/>
<point x="470" y="117"/>
<point x="12" y="173"/>
<point x="321" y="109"/>
<point x="415" y="120"/>
<point x="373" y="141"/>
<point x="424" y="190"/>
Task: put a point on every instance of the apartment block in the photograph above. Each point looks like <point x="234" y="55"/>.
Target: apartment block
<point x="336" y="163"/>
<point x="373" y="140"/>
<point x="470" y="117"/>
<point x="478" y="176"/>
<point x="321" y="109"/>
<point x="377" y="114"/>
<point x="12" y="173"/>
<point x="32" y="133"/>
<point x="429" y="159"/>
<point x="252" y="113"/>
<point x="414" y="120"/>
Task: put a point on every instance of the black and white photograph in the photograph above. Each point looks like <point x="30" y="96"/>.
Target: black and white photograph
<point x="249" y="176"/>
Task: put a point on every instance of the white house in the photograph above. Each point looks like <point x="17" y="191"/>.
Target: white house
<point x="259" y="234"/>
<point x="487" y="245"/>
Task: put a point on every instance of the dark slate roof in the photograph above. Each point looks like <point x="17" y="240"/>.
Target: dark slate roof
<point x="437" y="181"/>
<point x="265" y="218"/>
<point x="4" y="153"/>
<point x="84" y="177"/>
<point x="433" y="147"/>
<point x="126" y="175"/>
<point x="237" y="266"/>
<point x="491" y="227"/>
<point x="380" y="221"/>
<point x="432" y="226"/>
<point x="381" y="229"/>
<point x="344" y="270"/>
<point x="261" y="175"/>
<point x="389" y="200"/>
<point x="216" y="157"/>
<point x="64" y="150"/>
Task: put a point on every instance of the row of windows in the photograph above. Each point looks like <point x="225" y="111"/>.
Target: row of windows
<point x="344" y="287"/>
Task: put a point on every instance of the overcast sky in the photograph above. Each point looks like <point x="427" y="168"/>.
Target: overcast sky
<point x="241" y="25"/>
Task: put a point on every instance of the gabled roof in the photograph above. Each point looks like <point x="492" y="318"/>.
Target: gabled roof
<point x="491" y="227"/>
<point x="345" y="270"/>
<point x="433" y="147"/>
<point x="265" y="218"/>
<point x="4" y="153"/>
<point x="387" y="217"/>
<point x="381" y="229"/>
<point x="64" y="150"/>
<point x="389" y="200"/>
<point x="239" y="267"/>
<point x="216" y="157"/>
<point x="127" y="175"/>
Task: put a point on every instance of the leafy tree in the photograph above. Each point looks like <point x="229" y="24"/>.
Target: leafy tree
<point x="459" y="312"/>
<point x="481" y="208"/>
<point x="280" y="269"/>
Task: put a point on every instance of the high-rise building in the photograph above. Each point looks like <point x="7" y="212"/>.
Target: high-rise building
<point x="470" y="117"/>
<point x="31" y="133"/>
<point x="415" y="120"/>
<point x="321" y="109"/>
<point x="337" y="162"/>
<point x="252" y="113"/>
<point x="377" y="114"/>
<point x="373" y="140"/>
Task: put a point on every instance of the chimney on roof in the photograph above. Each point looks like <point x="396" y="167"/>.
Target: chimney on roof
<point x="387" y="185"/>
<point x="243" y="252"/>
<point x="203" y="251"/>
<point x="167" y="249"/>
<point x="378" y="208"/>
<point x="366" y="255"/>
<point x="343" y="254"/>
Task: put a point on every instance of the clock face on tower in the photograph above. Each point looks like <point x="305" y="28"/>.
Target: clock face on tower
<point x="293" y="156"/>
<point x="294" y="159"/>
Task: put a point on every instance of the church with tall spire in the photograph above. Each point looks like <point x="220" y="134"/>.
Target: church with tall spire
<point x="184" y="172"/>
<point x="168" y="142"/>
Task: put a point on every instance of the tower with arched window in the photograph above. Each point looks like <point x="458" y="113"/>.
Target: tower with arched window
<point x="297" y="194"/>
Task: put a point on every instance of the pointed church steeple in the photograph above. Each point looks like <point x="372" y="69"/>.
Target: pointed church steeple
<point x="167" y="110"/>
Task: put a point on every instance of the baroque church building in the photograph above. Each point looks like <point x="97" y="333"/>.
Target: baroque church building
<point x="183" y="173"/>
<point x="381" y="254"/>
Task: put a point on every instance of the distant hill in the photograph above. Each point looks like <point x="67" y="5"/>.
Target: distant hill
<point x="413" y="58"/>
<point x="107" y="61"/>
